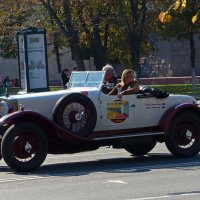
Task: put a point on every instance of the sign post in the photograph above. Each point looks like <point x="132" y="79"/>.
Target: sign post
<point x="33" y="63"/>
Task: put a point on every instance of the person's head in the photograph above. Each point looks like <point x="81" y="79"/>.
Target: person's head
<point x="128" y="76"/>
<point x="65" y="71"/>
<point x="109" y="73"/>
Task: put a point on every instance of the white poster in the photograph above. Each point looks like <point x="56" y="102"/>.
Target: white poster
<point x="37" y="61"/>
<point x="22" y="64"/>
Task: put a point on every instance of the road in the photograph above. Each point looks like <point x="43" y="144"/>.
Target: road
<point x="106" y="174"/>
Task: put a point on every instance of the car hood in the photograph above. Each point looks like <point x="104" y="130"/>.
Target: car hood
<point x="50" y="93"/>
<point x="44" y="102"/>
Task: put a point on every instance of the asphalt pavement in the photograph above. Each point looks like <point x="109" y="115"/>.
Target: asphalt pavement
<point x="106" y="174"/>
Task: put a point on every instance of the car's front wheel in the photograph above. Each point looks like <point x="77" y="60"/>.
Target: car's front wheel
<point x="183" y="139"/>
<point x="140" y="150"/>
<point x="24" y="147"/>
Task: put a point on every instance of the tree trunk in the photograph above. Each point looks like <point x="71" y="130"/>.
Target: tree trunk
<point x="106" y="37"/>
<point x="134" y="52"/>
<point x="96" y="47"/>
<point x="101" y="59"/>
<point x="73" y="36"/>
<point x="192" y="59"/>
<point x="137" y="32"/>
<point x="56" y="50"/>
<point x="134" y="39"/>
<point x="68" y="30"/>
<point x="77" y="55"/>
<point x="55" y="42"/>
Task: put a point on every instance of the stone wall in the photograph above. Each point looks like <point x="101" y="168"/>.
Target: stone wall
<point x="172" y="58"/>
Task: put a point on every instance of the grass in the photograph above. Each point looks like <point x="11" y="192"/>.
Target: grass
<point x="180" y="89"/>
<point x="171" y="88"/>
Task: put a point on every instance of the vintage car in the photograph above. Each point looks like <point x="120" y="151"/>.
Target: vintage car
<point x="83" y="117"/>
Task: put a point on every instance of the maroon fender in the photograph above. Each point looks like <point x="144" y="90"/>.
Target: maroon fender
<point x="169" y="115"/>
<point x="52" y="130"/>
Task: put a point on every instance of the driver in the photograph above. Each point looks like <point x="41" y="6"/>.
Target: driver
<point x="110" y="78"/>
<point x="128" y="85"/>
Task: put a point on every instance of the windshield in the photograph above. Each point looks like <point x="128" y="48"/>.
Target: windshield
<point x="86" y="79"/>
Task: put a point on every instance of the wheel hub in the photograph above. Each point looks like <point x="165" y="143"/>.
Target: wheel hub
<point x="75" y="116"/>
<point x="28" y="147"/>
<point x="188" y="134"/>
<point x="24" y="146"/>
<point x="78" y="116"/>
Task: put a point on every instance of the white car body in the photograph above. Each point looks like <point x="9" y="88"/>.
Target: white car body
<point x="112" y="113"/>
<point x="83" y="118"/>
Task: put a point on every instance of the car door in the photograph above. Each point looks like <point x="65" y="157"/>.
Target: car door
<point x="118" y="113"/>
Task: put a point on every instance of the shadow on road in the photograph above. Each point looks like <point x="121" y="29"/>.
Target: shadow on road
<point x="143" y="164"/>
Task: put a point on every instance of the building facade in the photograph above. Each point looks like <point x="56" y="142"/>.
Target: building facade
<point x="172" y="58"/>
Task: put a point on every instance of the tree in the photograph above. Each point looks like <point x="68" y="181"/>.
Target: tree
<point x="108" y="33"/>
<point x="182" y="26"/>
<point x="139" y="18"/>
<point x="93" y="27"/>
<point x="112" y="30"/>
<point x="180" y="5"/>
<point x="66" y="26"/>
<point x="13" y="17"/>
<point x="136" y="30"/>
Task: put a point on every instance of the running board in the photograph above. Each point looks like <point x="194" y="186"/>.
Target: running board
<point x="128" y="136"/>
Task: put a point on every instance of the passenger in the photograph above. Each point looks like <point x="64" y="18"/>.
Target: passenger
<point x="110" y="78"/>
<point x="128" y="85"/>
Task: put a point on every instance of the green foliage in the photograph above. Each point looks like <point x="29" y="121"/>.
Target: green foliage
<point x="179" y="89"/>
<point x="181" y="26"/>
<point x="14" y="16"/>
<point x="111" y="16"/>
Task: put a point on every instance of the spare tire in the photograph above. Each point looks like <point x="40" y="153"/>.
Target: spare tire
<point x="76" y="113"/>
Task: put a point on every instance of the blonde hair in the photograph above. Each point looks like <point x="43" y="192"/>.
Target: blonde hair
<point x="125" y="74"/>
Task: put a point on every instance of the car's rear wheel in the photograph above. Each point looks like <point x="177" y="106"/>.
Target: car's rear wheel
<point x="183" y="139"/>
<point x="24" y="147"/>
<point x="140" y="150"/>
<point x="76" y="113"/>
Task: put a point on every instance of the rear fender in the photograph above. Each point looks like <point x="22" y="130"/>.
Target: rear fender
<point x="172" y="112"/>
<point x="51" y="129"/>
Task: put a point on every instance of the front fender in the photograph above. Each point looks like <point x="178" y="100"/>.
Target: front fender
<point x="171" y="113"/>
<point x="52" y="130"/>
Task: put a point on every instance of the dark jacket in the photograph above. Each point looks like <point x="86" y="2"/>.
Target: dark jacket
<point x="110" y="85"/>
<point x="65" y="79"/>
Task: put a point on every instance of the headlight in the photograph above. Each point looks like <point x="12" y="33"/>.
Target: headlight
<point x="5" y="108"/>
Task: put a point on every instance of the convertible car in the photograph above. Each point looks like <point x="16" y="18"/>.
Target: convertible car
<point x="83" y="118"/>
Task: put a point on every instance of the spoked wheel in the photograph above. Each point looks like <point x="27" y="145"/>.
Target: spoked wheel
<point x="184" y="136"/>
<point x="76" y="113"/>
<point x="24" y="147"/>
<point x="75" y="116"/>
<point x="140" y="150"/>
